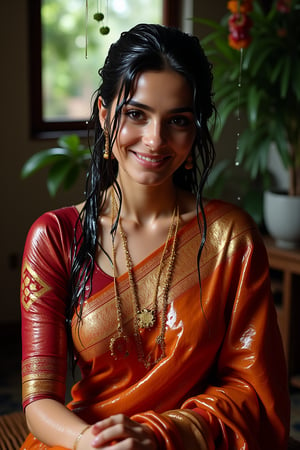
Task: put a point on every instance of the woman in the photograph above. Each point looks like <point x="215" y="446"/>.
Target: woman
<point x="162" y="298"/>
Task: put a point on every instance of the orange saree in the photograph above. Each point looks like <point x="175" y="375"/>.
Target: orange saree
<point x="224" y="369"/>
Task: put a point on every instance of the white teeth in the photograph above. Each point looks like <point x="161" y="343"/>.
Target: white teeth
<point x="146" y="158"/>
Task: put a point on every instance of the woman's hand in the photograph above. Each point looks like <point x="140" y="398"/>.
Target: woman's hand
<point x="121" y="433"/>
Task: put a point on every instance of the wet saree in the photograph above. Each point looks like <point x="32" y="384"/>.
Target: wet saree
<point x="224" y="369"/>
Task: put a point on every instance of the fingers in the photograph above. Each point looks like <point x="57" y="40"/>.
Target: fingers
<point x="120" y="428"/>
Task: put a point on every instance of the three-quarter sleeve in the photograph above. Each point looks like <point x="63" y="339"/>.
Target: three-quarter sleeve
<point x="44" y="294"/>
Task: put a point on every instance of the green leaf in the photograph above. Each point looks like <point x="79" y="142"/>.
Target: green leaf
<point x="260" y="59"/>
<point x="57" y="176"/>
<point x="71" y="176"/>
<point x="256" y="164"/>
<point x="217" y="179"/>
<point x="286" y="73"/>
<point x="281" y="142"/>
<point x="209" y="43"/>
<point x="208" y="22"/>
<point x="226" y="107"/>
<point x="224" y="90"/>
<point x="70" y="142"/>
<point x="42" y="159"/>
<point x="253" y="204"/>
<point x="276" y="71"/>
<point x="258" y="49"/>
<point x="227" y="51"/>
<point x="254" y="99"/>
<point x="295" y="80"/>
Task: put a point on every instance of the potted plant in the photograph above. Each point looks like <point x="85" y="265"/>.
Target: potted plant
<point x="255" y="50"/>
<point x="65" y="162"/>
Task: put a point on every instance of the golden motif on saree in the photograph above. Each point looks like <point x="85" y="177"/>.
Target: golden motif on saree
<point x="32" y="286"/>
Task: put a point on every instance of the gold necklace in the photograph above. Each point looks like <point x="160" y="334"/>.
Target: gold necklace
<point x="146" y="317"/>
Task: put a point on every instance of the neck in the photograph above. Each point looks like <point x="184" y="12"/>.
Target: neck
<point x="145" y="204"/>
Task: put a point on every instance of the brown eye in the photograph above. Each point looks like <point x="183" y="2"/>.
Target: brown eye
<point x="180" y="121"/>
<point x="135" y="114"/>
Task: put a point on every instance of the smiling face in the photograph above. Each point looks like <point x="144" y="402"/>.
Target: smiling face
<point x="157" y="128"/>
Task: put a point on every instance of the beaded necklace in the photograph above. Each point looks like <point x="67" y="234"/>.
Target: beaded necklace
<point x="147" y="317"/>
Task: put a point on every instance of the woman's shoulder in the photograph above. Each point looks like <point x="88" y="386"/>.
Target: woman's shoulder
<point x="55" y="222"/>
<point x="229" y="212"/>
<point x="230" y="221"/>
<point x="60" y="215"/>
<point x="218" y="213"/>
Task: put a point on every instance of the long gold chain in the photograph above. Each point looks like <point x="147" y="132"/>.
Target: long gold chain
<point x="145" y="318"/>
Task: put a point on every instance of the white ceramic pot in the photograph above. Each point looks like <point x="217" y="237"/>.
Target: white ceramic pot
<point x="282" y="218"/>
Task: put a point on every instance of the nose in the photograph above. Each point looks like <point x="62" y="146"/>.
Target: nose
<point x="154" y="135"/>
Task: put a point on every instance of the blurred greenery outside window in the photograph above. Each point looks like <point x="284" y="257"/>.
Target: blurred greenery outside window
<point x="69" y="76"/>
<point x="62" y="79"/>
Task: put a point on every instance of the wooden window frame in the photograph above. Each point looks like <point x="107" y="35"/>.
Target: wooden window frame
<point x="39" y="128"/>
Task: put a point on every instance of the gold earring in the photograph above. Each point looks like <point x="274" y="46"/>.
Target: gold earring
<point x="189" y="162"/>
<point x="106" y="145"/>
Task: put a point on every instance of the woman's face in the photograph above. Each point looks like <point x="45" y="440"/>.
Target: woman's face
<point x="157" y="128"/>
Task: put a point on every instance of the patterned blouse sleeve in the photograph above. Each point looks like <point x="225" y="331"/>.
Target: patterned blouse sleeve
<point x="44" y="294"/>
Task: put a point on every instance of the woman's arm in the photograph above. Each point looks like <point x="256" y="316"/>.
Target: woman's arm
<point x="53" y="424"/>
<point x="44" y="296"/>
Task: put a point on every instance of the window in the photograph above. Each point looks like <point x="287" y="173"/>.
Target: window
<point x="62" y="78"/>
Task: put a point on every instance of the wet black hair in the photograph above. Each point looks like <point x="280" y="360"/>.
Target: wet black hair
<point x="145" y="47"/>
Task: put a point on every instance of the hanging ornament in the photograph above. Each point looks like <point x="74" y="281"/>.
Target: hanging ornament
<point x="99" y="16"/>
<point x="104" y="30"/>
<point x="239" y="38"/>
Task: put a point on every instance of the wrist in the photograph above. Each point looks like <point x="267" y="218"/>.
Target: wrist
<point x="79" y="437"/>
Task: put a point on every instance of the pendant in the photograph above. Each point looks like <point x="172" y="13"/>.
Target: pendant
<point x="146" y="318"/>
<point x="119" y="346"/>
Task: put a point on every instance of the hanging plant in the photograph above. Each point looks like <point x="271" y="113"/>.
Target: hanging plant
<point x="269" y="92"/>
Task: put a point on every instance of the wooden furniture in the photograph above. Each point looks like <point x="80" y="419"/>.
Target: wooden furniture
<point x="285" y="279"/>
<point x="13" y="430"/>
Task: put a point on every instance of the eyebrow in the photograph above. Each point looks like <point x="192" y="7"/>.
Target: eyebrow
<point x="148" y="108"/>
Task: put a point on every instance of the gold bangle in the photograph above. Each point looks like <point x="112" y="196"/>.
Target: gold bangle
<point x="76" y="442"/>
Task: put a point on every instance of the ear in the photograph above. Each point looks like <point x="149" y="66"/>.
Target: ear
<point x="103" y="112"/>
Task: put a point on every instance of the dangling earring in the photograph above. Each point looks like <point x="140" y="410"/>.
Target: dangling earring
<point x="188" y="165"/>
<point x="106" y="145"/>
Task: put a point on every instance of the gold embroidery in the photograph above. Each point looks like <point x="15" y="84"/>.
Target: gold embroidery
<point x="32" y="287"/>
<point x="97" y="311"/>
<point x="42" y="376"/>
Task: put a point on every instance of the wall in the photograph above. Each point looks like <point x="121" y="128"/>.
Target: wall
<point x="23" y="201"/>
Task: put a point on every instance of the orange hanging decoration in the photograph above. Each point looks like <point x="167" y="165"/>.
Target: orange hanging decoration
<point x="239" y="23"/>
<point x="243" y="7"/>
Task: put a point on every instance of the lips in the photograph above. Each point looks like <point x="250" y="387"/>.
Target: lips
<point x="151" y="159"/>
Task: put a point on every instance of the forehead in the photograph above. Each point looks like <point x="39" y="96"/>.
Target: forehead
<point x="165" y="86"/>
